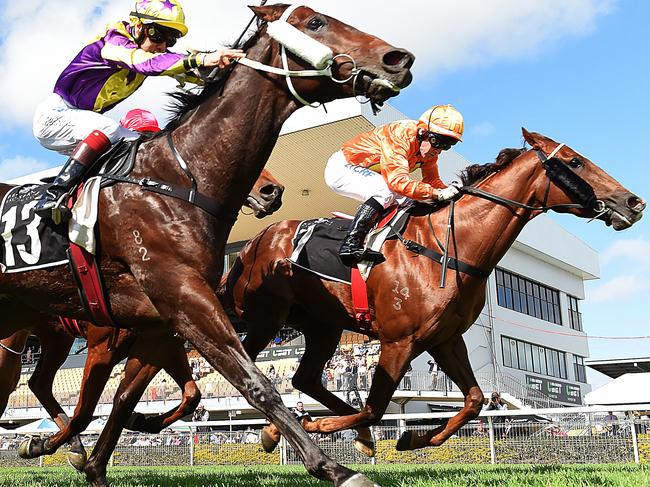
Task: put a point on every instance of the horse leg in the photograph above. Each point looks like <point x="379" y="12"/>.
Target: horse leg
<point x="453" y="360"/>
<point x="319" y="348"/>
<point x="204" y="322"/>
<point x="139" y="371"/>
<point x="394" y="360"/>
<point x="55" y="346"/>
<point x="10" y="365"/>
<point x="97" y="370"/>
<point x="174" y="360"/>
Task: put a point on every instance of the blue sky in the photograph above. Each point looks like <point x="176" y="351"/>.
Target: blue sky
<point x="575" y="70"/>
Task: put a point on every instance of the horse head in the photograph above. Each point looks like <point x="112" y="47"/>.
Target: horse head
<point x="266" y="196"/>
<point x="577" y="180"/>
<point x="358" y="63"/>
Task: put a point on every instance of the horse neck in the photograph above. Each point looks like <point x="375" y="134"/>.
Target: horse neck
<point x="228" y="139"/>
<point x="484" y="230"/>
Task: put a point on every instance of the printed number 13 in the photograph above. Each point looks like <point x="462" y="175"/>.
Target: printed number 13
<point x="9" y="219"/>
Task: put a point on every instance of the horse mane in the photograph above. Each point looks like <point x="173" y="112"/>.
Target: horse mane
<point x="477" y="172"/>
<point x="184" y="101"/>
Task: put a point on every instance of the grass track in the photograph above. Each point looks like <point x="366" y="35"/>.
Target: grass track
<point x="387" y="476"/>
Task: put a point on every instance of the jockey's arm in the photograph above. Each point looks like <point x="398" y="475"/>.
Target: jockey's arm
<point x="396" y="173"/>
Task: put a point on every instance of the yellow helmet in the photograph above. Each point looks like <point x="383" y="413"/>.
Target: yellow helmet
<point x="167" y="13"/>
<point x="444" y="120"/>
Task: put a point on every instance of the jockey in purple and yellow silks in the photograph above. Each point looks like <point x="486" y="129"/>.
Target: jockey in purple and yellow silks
<point x="104" y="73"/>
<point x="375" y="167"/>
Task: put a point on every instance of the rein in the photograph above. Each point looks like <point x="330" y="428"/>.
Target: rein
<point x="5" y="347"/>
<point x="556" y="171"/>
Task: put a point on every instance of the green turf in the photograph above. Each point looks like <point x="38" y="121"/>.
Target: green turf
<point x="387" y="476"/>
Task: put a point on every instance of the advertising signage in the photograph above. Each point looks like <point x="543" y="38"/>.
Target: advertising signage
<point x="555" y="389"/>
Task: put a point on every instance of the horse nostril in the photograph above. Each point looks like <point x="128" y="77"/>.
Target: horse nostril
<point x="635" y="203"/>
<point x="398" y="57"/>
<point x="268" y="189"/>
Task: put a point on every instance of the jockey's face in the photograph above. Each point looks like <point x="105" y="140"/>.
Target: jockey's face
<point x="149" y="45"/>
<point x="427" y="150"/>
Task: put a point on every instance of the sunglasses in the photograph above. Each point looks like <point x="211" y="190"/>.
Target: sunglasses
<point x="442" y="142"/>
<point x="158" y="34"/>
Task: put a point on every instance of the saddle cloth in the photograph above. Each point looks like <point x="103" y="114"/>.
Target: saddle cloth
<point x="29" y="242"/>
<point x="32" y="243"/>
<point x="317" y="242"/>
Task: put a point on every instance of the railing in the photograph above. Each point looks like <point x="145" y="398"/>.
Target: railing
<point x="503" y="437"/>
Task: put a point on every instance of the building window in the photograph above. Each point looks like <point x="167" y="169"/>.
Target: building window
<point x="533" y="358"/>
<point x="231" y="254"/>
<point x="529" y="297"/>
<point x="579" y="368"/>
<point x="575" y="317"/>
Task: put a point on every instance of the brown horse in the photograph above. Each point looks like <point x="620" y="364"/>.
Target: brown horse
<point x="105" y="351"/>
<point x="226" y="135"/>
<point x="412" y="314"/>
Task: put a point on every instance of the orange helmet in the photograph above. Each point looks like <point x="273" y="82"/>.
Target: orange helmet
<point x="444" y="120"/>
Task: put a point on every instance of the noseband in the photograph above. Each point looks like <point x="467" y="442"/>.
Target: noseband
<point x="310" y="50"/>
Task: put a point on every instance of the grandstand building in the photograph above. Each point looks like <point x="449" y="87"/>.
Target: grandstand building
<point x="528" y="342"/>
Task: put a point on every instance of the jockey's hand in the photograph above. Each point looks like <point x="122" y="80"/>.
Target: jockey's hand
<point x="223" y="58"/>
<point x="448" y="193"/>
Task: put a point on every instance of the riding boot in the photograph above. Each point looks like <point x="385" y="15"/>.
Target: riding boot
<point x="352" y="248"/>
<point x="51" y="204"/>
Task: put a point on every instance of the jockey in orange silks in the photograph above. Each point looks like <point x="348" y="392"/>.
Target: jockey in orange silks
<point x="101" y="75"/>
<point x="374" y="167"/>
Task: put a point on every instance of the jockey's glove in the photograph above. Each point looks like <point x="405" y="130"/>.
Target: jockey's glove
<point x="448" y="193"/>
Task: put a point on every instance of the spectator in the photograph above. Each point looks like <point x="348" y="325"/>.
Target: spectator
<point x="480" y="430"/>
<point x="300" y="413"/>
<point x="433" y="372"/>
<point x="496" y="404"/>
<point x="611" y="423"/>
<point x="200" y="416"/>
<point x="407" y="378"/>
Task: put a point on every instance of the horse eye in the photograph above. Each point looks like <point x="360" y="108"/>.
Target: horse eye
<point x="575" y="163"/>
<point x="316" y="23"/>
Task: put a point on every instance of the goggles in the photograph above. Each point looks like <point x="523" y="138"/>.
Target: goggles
<point x="443" y="142"/>
<point x="158" y="34"/>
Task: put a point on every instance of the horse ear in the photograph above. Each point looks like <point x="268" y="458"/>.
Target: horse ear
<point x="268" y="13"/>
<point x="538" y="141"/>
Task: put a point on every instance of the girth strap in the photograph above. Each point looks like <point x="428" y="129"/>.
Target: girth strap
<point x="452" y="263"/>
<point x="204" y="202"/>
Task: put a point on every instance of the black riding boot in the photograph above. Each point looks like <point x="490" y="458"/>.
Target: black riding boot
<point x="85" y="154"/>
<point x="352" y="248"/>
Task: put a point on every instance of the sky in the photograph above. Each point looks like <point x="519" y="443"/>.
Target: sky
<point x="574" y="70"/>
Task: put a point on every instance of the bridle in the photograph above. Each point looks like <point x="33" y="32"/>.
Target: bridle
<point x="558" y="173"/>
<point x="310" y="50"/>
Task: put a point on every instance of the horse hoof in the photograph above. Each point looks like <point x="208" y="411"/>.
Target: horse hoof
<point x="367" y="447"/>
<point x="405" y="441"/>
<point x="25" y="447"/>
<point x="77" y="459"/>
<point x="268" y="442"/>
<point x="359" y="480"/>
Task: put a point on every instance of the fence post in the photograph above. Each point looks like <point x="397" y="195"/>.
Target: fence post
<point x="283" y="451"/>
<point x="191" y="447"/>
<point x="493" y="451"/>
<point x="635" y="440"/>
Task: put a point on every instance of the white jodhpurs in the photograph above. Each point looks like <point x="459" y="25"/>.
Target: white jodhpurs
<point x="358" y="182"/>
<point x="60" y="127"/>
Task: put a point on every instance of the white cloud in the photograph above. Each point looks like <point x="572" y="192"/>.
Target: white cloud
<point x="619" y="288"/>
<point x="635" y="250"/>
<point x="20" y="166"/>
<point x="41" y="37"/>
<point x="484" y="129"/>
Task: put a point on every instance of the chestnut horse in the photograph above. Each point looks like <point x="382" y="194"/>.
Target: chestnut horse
<point x="105" y="351"/>
<point x="266" y="291"/>
<point x="226" y="135"/>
